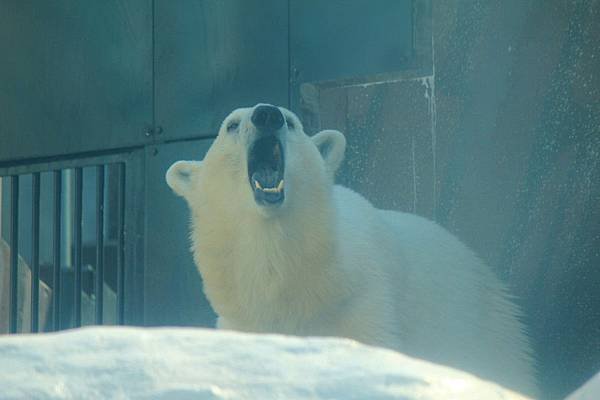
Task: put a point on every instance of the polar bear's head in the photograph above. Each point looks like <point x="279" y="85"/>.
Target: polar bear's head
<point x="261" y="163"/>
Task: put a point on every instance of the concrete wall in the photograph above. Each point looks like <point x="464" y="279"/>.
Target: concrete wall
<point x="517" y="89"/>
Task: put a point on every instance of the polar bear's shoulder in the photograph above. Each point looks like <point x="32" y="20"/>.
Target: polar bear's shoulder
<point x="416" y="239"/>
<point x="347" y="199"/>
<point x="351" y="206"/>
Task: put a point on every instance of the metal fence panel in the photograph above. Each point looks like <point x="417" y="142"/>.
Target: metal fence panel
<point x="87" y="266"/>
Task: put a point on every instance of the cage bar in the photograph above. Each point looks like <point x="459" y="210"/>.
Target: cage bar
<point x="121" y="245"/>
<point x="56" y="248"/>
<point x="35" y="251"/>
<point x="14" y="252"/>
<point x="99" y="289"/>
<point x="77" y="253"/>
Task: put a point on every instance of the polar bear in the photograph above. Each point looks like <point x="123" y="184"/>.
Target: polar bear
<point x="282" y="249"/>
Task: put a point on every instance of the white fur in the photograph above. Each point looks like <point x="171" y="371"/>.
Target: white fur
<point x="328" y="263"/>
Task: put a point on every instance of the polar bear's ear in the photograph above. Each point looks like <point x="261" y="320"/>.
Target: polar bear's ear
<point x="331" y="145"/>
<point x="179" y="176"/>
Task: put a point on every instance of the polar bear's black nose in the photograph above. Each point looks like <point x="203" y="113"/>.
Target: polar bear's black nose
<point x="267" y="118"/>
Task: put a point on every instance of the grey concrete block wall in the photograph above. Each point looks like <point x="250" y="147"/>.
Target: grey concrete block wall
<point x="518" y="142"/>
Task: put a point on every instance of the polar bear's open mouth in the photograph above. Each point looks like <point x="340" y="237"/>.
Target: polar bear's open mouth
<point x="265" y="170"/>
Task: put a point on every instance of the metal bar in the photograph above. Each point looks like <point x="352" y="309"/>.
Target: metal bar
<point x="120" y="245"/>
<point x="35" y="251"/>
<point x="57" y="248"/>
<point x="14" y="252"/>
<point x="43" y="164"/>
<point x="99" y="291"/>
<point x="77" y="221"/>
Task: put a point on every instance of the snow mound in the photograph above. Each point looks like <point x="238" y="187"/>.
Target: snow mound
<point x="589" y="391"/>
<point x="186" y="363"/>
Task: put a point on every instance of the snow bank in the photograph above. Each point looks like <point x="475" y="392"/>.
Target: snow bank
<point x="589" y="391"/>
<point x="185" y="363"/>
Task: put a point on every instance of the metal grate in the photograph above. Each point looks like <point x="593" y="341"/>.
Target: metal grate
<point x="62" y="248"/>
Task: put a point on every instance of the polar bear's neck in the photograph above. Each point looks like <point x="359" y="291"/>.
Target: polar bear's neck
<point x="258" y="271"/>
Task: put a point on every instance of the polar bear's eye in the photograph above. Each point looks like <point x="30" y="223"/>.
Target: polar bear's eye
<point x="232" y="126"/>
<point x="290" y="123"/>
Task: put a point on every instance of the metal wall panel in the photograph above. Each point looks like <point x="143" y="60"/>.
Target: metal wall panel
<point x="172" y="285"/>
<point x="346" y="39"/>
<point x="390" y="152"/>
<point x="213" y="56"/>
<point x="74" y="77"/>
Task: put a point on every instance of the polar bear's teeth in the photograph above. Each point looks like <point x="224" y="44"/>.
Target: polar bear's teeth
<point x="277" y="189"/>
<point x="257" y="185"/>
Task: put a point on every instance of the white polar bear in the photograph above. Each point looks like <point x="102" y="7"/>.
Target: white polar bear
<point x="282" y="249"/>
